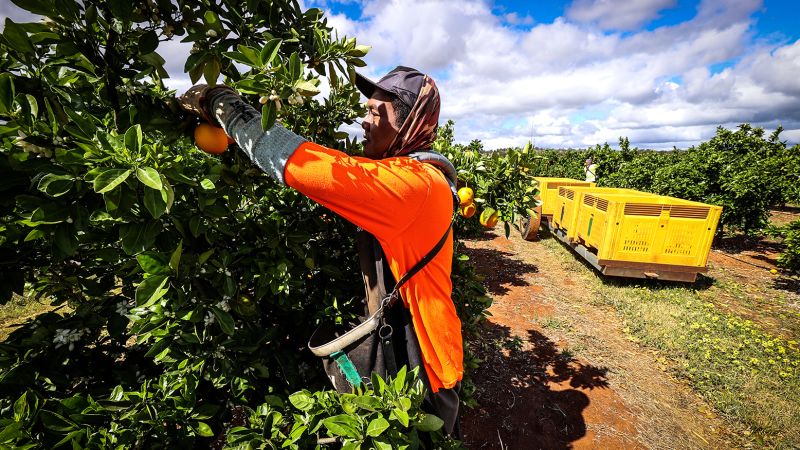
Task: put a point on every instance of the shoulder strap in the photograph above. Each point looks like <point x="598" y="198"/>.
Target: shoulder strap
<point x="395" y="294"/>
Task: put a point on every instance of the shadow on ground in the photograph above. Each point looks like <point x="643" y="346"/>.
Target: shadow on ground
<point x="527" y="393"/>
<point x="741" y="243"/>
<point x="500" y="269"/>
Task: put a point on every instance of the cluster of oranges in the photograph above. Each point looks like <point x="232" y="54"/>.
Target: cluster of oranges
<point x="466" y="197"/>
<point x="211" y="139"/>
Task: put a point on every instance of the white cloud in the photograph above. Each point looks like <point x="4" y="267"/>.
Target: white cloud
<point x="617" y="15"/>
<point x="575" y="85"/>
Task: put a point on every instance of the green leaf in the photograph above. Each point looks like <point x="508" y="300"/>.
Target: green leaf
<point x="250" y="54"/>
<point x="225" y="320"/>
<point x="175" y="259"/>
<point x="41" y="7"/>
<point x="204" y="256"/>
<point x="7" y="93"/>
<point x="381" y="445"/>
<point x="55" y="185"/>
<point x="153" y="263"/>
<point x="360" y="51"/>
<point x="367" y="402"/>
<point x="11" y="432"/>
<point x="377" y="426"/>
<point x="149" y="177"/>
<point x="306" y="88"/>
<point x="56" y="422"/>
<point x="17" y="38"/>
<point x="269" y="112"/>
<point x="400" y="380"/>
<point x="269" y="51"/>
<point x="148" y="42"/>
<point x="109" y="179"/>
<point x="302" y="400"/>
<point x="211" y="70"/>
<point x="207" y="184"/>
<point x="342" y="425"/>
<point x="401" y="416"/>
<point x="133" y="139"/>
<point x="65" y="239"/>
<point x="117" y="394"/>
<point x="155" y="202"/>
<point x="295" y="68"/>
<point x="166" y="187"/>
<point x="429" y="423"/>
<point x="137" y="237"/>
<point x="151" y="290"/>
<point x="36" y="233"/>
<point x="203" y="429"/>
<point x="21" y="407"/>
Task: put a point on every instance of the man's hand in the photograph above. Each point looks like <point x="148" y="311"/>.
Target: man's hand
<point x="195" y="100"/>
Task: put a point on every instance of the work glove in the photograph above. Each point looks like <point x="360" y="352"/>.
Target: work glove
<point x="195" y="100"/>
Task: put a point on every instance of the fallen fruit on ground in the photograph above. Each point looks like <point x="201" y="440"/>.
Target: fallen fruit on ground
<point x="210" y="139"/>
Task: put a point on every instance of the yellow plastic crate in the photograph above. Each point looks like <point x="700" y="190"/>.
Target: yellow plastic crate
<point x="548" y="192"/>
<point x="571" y="198"/>
<point x="650" y="230"/>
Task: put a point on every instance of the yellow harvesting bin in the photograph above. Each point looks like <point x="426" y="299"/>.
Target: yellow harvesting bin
<point x="548" y="192"/>
<point x="652" y="231"/>
<point x="570" y="199"/>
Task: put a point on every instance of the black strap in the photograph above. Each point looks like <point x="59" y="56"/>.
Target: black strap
<point x="394" y="295"/>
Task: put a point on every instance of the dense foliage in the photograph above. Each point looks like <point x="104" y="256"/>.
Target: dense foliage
<point x="186" y="284"/>
<point x="790" y="233"/>
<point x="741" y="170"/>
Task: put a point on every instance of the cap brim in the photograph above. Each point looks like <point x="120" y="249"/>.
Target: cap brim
<point x="365" y="85"/>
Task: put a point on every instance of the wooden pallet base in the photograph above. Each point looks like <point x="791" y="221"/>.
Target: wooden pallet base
<point x="627" y="269"/>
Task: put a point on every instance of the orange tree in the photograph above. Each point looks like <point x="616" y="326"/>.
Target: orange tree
<point x="193" y="281"/>
<point x="502" y="181"/>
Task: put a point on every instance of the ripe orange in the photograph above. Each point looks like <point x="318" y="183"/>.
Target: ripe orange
<point x="489" y="217"/>
<point x="465" y="196"/>
<point x="210" y="139"/>
<point x="468" y="210"/>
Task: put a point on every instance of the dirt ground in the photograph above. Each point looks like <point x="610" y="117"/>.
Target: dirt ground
<point x="558" y="371"/>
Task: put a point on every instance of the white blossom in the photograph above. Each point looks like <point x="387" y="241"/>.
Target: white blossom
<point x="122" y="308"/>
<point x="67" y="336"/>
<point x="223" y="305"/>
<point x="209" y="318"/>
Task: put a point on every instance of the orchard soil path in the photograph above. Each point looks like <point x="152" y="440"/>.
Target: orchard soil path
<point x="558" y="372"/>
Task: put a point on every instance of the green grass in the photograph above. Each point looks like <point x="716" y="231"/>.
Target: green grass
<point x="749" y="375"/>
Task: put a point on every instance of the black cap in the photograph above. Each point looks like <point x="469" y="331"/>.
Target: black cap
<point x="403" y="82"/>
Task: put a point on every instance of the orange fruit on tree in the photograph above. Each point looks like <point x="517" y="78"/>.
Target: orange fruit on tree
<point x="468" y="210"/>
<point x="489" y="217"/>
<point x="465" y="196"/>
<point x="210" y="139"/>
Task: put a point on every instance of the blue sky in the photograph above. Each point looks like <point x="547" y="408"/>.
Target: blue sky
<point x="575" y="73"/>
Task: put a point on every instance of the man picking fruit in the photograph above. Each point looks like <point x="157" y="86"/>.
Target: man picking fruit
<point x="405" y="203"/>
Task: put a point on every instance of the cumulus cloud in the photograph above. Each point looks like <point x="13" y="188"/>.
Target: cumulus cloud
<point x="616" y="15"/>
<point x="575" y="82"/>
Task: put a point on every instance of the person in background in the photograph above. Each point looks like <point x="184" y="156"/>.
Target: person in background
<point x="590" y="169"/>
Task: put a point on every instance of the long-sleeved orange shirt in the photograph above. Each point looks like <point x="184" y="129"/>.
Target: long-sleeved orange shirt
<point x="407" y="205"/>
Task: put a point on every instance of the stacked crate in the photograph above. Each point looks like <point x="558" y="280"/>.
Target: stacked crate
<point x="624" y="232"/>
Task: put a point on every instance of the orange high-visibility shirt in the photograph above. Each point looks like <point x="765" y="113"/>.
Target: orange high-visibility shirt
<point x="407" y="205"/>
